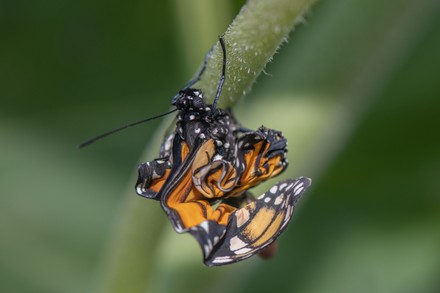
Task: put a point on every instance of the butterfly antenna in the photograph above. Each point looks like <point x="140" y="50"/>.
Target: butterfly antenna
<point x="92" y="140"/>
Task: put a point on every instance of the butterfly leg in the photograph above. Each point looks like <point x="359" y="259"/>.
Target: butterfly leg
<point x="197" y="76"/>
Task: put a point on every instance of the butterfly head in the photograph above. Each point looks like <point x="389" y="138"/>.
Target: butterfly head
<point x="191" y="100"/>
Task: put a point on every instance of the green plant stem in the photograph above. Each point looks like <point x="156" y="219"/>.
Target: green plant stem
<point x="251" y="41"/>
<point x="134" y="237"/>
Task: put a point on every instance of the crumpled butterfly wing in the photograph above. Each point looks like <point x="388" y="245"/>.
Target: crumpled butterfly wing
<point x="151" y="177"/>
<point x="259" y="223"/>
<point x="213" y="177"/>
<point x="187" y="209"/>
<point x="261" y="154"/>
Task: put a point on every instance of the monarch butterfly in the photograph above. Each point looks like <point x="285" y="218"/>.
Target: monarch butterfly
<point x="204" y="173"/>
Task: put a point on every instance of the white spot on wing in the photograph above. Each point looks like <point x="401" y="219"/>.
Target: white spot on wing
<point x="242" y="216"/>
<point x="221" y="259"/>
<point x="155" y="175"/>
<point x="236" y="243"/>
<point x="279" y="199"/>
<point x="206" y="249"/>
<point x="274" y="189"/>
<point x="139" y="190"/>
<point x="205" y="226"/>
<point x="299" y="190"/>
<point x="300" y="185"/>
<point x="243" y="251"/>
<point x="217" y="157"/>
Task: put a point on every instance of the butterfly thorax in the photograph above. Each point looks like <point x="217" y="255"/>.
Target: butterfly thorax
<point x="197" y="121"/>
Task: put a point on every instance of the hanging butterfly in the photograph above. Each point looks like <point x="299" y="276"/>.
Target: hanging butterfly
<point x="205" y="170"/>
<point x="204" y="173"/>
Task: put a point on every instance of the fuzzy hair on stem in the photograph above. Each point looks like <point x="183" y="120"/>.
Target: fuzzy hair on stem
<point x="251" y="41"/>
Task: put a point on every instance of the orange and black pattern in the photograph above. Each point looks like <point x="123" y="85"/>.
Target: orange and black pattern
<point x="204" y="173"/>
<point x="211" y="160"/>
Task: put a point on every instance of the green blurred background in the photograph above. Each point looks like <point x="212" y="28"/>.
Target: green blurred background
<point x="355" y="90"/>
